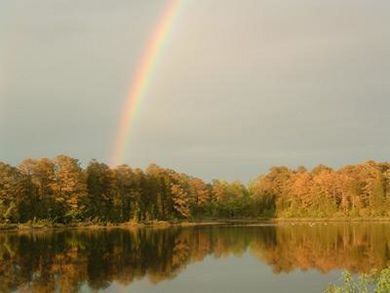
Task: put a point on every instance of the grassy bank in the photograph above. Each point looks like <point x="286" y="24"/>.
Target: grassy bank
<point x="335" y="219"/>
<point x="89" y="225"/>
<point x="198" y="222"/>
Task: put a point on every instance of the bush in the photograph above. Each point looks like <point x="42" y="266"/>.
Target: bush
<point x="376" y="282"/>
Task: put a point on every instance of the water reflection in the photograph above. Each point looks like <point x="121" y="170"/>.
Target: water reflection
<point x="65" y="260"/>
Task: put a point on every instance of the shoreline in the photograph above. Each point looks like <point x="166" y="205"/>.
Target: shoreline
<point x="169" y="224"/>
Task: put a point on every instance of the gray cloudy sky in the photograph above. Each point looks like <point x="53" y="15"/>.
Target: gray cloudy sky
<point x="240" y="85"/>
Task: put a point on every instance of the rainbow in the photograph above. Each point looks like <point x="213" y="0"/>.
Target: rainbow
<point x="142" y="77"/>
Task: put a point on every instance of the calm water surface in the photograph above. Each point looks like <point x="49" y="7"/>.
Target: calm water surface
<point x="280" y="258"/>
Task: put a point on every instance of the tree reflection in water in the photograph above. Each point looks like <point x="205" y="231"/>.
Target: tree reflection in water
<point x="65" y="260"/>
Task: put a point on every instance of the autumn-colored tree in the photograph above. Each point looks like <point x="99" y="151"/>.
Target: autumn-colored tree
<point x="180" y="201"/>
<point x="13" y="194"/>
<point x="200" y="196"/>
<point x="70" y="188"/>
<point x="325" y="190"/>
<point x="269" y="191"/>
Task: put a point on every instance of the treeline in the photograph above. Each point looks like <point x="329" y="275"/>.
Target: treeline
<point x="59" y="190"/>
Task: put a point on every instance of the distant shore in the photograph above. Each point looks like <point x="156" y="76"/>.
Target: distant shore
<point x="206" y="222"/>
<point x="88" y="225"/>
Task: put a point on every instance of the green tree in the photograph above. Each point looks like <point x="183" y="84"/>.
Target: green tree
<point x="99" y="180"/>
<point x="42" y="179"/>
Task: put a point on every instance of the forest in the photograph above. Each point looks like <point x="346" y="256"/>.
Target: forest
<point x="59" y="190"/>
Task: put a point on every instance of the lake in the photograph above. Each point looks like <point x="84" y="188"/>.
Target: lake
<point x="220" y="258"/>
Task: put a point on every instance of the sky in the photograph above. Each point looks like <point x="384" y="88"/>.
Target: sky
<point x="239" y="86"/>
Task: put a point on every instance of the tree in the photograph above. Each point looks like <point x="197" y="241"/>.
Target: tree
<point x="70" y="188"/>
<point x="180" y="201"/>
<point x="42" y="178"/>
<point x="126" y="194"/>
<point x="13" y="194"/>
<point x="99" y="180"/>
<point x="200" y="196"/>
